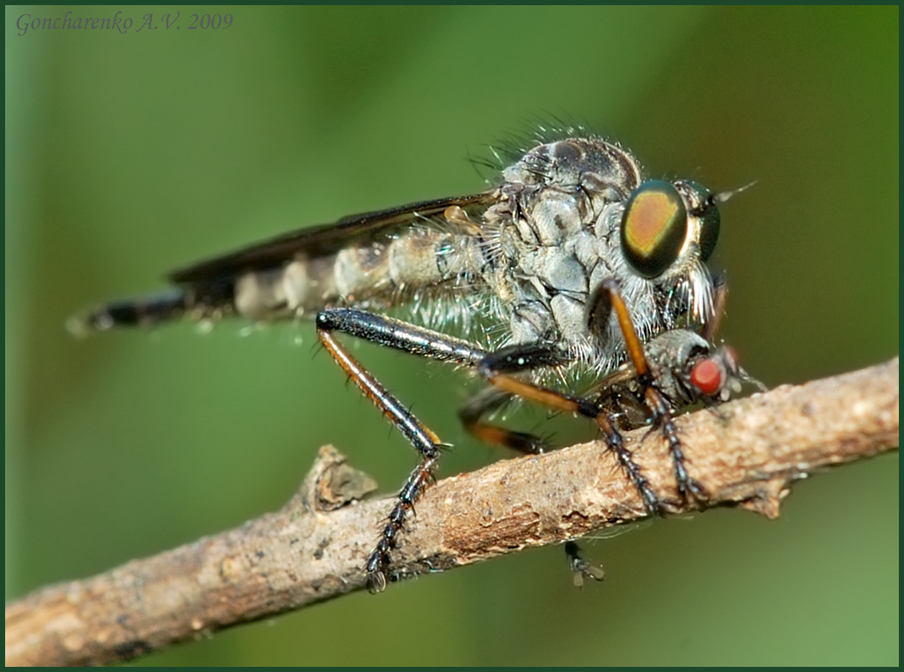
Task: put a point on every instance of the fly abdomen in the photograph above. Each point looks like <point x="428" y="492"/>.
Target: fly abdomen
<point x="309" y="284"/>
<point x="375" y="272"/>
<point x="424" y="258"/>
<point x="210" y="300"/>
<point x="358" y="275"/>
<point x="293" y="289"/>
<point x="138" y="312"/>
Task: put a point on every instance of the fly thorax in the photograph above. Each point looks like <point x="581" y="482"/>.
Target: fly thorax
<point x="591" y="165"/>
<point x="577" y="212"/>
<point x="545" y="275"/>
<point x="552" y="201"/>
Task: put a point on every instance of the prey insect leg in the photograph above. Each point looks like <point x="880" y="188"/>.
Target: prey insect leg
<point x="609" y="298"/>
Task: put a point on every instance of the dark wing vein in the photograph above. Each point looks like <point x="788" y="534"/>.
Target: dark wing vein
<point x="320" y="240"/>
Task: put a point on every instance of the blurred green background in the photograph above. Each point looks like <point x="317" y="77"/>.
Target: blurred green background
<point x="130" y="154"/>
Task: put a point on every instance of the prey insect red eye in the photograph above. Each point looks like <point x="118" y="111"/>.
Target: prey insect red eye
<point x="707" y="377"/>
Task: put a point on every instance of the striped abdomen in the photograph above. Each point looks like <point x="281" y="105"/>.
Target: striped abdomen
<point x="378" y="273"/>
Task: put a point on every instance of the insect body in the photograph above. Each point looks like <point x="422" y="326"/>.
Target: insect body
<point x="550" y="281"/>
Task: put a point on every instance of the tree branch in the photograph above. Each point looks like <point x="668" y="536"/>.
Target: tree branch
<point x="747" y="453"/>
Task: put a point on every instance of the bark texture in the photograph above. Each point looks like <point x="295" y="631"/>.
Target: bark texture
<point x="747" y="453"/>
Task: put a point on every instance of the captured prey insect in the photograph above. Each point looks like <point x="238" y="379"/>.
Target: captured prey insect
<point x="687" y="370"/>
<point x="564" y="275"/>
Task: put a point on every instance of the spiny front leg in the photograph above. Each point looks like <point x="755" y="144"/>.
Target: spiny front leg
<point x="607" y="299"/>
<point x="662" y="418"/>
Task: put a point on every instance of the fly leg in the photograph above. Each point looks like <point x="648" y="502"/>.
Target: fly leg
<point x="486" y="401"/>
<point x="607" y="299"/>
<point x="497" y="366"/>
<point x="424" y="440"/>
<point x="417" y="341"/>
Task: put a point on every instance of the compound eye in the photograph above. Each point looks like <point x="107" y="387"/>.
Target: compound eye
<point x="653" y="228"/>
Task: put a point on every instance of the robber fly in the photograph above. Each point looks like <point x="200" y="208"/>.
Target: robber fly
<point x="556" y="279"/>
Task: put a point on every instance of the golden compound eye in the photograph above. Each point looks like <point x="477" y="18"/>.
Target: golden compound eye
<point x="653" y="228"/>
